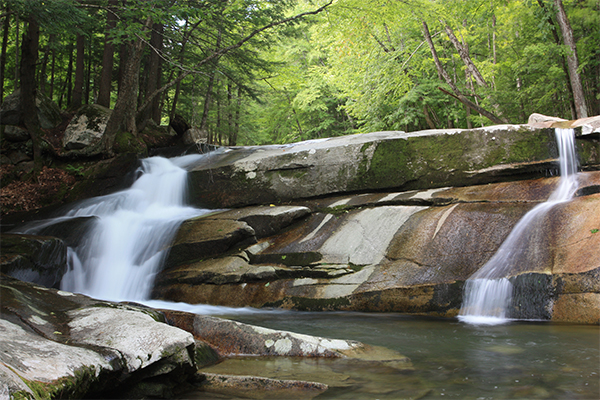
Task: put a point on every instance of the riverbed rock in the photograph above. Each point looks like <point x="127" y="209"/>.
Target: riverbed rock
<point x="254" y="387"/>
<point x="57" y="343"/>
<point x="86" y="127"/>
<point x="380" y="161"/>
<point x="407" y="252"/>
<point x="235" y="339"/>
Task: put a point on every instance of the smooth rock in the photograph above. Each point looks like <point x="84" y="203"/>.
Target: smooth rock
<point x="69" y="345"/>
<point x="390" y="161"/>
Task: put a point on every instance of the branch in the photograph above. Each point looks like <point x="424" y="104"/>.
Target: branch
<point x="457" y="93"/>
<point x="220" y="52"/>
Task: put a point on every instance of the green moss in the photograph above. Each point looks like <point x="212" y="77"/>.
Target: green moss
<point x="125" y="142"/>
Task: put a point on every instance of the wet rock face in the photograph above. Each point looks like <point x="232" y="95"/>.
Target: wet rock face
<point x="406" y="252"/>
<point x="37" y="259"/>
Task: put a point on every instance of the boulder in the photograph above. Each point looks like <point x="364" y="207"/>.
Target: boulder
<point x="48" y="112"/>
<point x="57" y="343"/>
<point x="407" y="252"/>
<point x="15" y="134"/>
<point x="195" y="136"/>
<point x="86" y="127"/>
<point x="380" y="161"/>
<point x="587" y="126"/>
<point x="37" y="259"/>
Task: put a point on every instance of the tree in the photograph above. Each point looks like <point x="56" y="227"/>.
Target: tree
<point x="572" y="60"/>
<point x="107" y="57"/>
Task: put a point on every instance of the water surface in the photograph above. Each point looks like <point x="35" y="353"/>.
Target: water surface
<point x="519" y="360"/>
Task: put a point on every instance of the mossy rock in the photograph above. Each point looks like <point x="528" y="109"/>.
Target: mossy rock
<point x="125" y="142"/>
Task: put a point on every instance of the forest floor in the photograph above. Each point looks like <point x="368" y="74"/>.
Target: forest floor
<point x="33" y="193"/>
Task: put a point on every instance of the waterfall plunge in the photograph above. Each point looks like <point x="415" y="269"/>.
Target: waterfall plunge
<point x="488" y="292"/>
<point x="125" y="249"/>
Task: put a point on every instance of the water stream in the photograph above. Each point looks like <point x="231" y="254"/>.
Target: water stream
<point x="488" y="292"/>
<point x="120" y="256"/>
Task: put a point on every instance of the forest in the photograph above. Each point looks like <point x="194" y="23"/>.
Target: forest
<point x="252" y="72"/>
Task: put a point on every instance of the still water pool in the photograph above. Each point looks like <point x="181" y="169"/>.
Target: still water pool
<point x="450" y="359"/>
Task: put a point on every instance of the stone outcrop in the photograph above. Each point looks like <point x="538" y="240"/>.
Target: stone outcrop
<point x="406" y="252"/>
<point x="381" y="161"/>
<point x="58" y="343"/>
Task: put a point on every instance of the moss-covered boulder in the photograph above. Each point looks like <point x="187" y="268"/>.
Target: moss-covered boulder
<point x="379" y="161"/>
<point x="48" y="112"/>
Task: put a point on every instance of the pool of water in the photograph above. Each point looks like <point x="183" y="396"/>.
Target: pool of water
<point x="450" y="359"/>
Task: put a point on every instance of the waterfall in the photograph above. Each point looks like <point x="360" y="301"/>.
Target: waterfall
<point x="119" y="257"/>
<point x="488" y="292"/>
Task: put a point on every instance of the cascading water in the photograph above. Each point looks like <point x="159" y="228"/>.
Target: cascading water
<point x="488" y="292"/>
<point x="118" y="259"/>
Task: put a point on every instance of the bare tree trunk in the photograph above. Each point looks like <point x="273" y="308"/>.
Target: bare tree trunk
<point x="572" y="61"/>
<point x="67" y="83"/>
<point x="79" y="73"/>
<point x="44" y="63"/>
<point x="153" y="76"/>
<point x="124" y="114"/>
<point x="107" y="58"/>
<point x="464" y="56"/>
<point x="29" y="57"/>
<point x="5" y="33"/>
<point x="211" y="82"/>
<point x="457" y="94"/>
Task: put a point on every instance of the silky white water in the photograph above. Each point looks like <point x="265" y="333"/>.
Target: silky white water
<point x="488" y="292"/>
<point x="119" y="258"/>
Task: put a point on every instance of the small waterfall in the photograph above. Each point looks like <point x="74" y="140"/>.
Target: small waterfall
<point x="118" y="259"/>
<point x="488" y="292"/>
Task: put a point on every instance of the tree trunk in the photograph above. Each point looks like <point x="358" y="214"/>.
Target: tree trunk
<point x="572" y="61"/>
<point x="17" y="38"/>
<point x="5" y="33"/>
<point x="123" y="116"/>
<point x="457" y="94"/>
<point x="29" y="57"/>
<point x="77" y="98"/>
<point x="67" y="83"/>
<point x="107" y="58"/>
<point x="211" y="82"/>
<point x="153" y="76"/>
<point x="464" y="56"/>
<point x="42" y="77"/>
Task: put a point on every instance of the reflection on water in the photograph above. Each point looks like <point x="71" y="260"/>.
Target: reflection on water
<point x="450" y="359"/>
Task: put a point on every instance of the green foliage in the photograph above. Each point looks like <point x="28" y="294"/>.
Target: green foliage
<point x="358" y="67"/>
